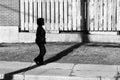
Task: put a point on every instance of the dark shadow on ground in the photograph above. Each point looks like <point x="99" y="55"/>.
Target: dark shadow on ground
<point x="9" y="76"/>
<point x="63" y="53"/>
<point x="84" y="39"/>
<point x="98" y="44"/>
<point x="84" y="35"/>
<point x="1" y="45"/>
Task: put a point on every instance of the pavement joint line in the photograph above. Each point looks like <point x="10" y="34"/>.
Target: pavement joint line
<point x="1" y="76"/>
<point x="66" y="77"/>
<point x="17" y="76"/>
<point x="24" y="75"/>
<point x="55" y="77"/>
<point x="24" y="72"/>
<point x="72" y="70"/>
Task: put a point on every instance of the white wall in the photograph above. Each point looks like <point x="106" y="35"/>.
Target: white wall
<point x="10" y="34"/>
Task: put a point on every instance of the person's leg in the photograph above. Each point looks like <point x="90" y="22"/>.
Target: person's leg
<point x="42" y="50"/>
<point x="39" y="59"/>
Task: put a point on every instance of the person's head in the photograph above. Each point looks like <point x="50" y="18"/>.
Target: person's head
<point x="40" y="21"/>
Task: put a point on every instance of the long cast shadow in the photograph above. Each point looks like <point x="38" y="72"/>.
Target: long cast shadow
<point x="104" y="44"/>
<point x="84" y="40"/>
<point x="2" y="45"/>
<point x="63" y="53"/>
<point x="9" y="76"/>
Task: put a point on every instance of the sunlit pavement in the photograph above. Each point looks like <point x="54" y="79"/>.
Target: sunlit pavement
<point x="57" y="71"/>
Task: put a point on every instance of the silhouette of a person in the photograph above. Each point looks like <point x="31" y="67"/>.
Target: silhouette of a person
<point x="40" y="41"/>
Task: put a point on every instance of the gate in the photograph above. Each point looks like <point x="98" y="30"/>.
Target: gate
<point x="59" y="15"/>
<point x="103" y="15"/>
<point x="71" y="15"/>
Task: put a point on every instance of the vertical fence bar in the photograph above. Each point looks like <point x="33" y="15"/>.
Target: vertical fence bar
<point x="101" y="16"/>
<point x="39" y="9"/>
<point x="43" y="11"/>
<point x="99" y="13"/>
<point x="109" y="14"/>
<point x="56" y="15"/>
<point x="48" y="24"/>
<point x="88" y="20"/>
<point x="65" y="15"/>
<point x="74" y="14"/>
<point x="96" y="14"/>
<point x="91" y="14"/>
<point x="52" y="15"/>
<point x="61" y="14"/>
<point x="114" y="15"/>
<point x="30" y="15"/>
<point x="104" y="15"/>
<point x="22" y="7"/>
<point x="118" y="14"/>
<point x="26" y="15"/>
<point x="35" y="15"/>
<point x="69" y="14"/>
<point x="79" y="18"/>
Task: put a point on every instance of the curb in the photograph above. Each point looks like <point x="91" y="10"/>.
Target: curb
<point x="41" y="77"/>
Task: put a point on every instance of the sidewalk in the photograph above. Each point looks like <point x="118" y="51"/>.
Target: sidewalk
<point x="66" y="61"/>
<point x="56" y="71"/>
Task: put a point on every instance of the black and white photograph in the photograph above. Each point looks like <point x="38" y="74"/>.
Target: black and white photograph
<point x="59" y="39"/>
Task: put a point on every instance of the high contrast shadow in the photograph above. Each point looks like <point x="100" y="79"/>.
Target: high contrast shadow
<point x="63" y="53"/>
<point x="84" y="27"/>
<point x="84" y="39"/>
<point x="84" y="35"/>
<point x="9" y="76"/>
<point x="98" y="44"/>
<point x="1" y="45"/>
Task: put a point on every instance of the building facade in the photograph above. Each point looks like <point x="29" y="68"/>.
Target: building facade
<point x="65" y="20"/>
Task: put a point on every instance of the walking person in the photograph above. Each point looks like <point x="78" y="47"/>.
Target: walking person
<point x="40" y="41"/>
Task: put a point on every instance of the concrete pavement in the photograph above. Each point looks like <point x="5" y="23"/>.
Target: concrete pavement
<point x="57" y="71"/>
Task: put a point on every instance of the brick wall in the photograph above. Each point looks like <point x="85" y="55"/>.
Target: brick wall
<point x="9" y="12"/>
